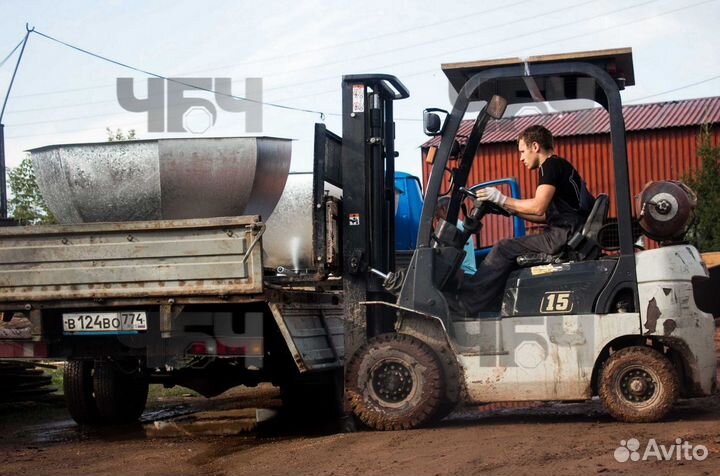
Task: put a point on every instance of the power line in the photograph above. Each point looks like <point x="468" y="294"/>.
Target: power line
<point x="376" y="37"/>
<point x="584" y="34"/>
<point x="312" y="50"/>
<point x="400" y="119"/>
<point x="159" y="76"/>
<point x="247" y="99"/>
<point x="395" y="64"/>
<point x="494" y="42"/>
<point x="679" y="88"/>
<point x="485" y="29"/>
<point x="11" y="53"/>
<point x="458" y="35"/>
<point x="508" y="52"/>
<point x="611" y="27"/>
<point x="24" y="43"/>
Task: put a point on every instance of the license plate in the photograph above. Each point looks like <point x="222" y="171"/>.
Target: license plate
<point x="105" y="322"/>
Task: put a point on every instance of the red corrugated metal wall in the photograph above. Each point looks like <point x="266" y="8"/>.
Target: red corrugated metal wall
<point x="652" y="155"/>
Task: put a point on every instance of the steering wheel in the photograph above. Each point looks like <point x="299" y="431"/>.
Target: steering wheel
<point x="484" y="207"/>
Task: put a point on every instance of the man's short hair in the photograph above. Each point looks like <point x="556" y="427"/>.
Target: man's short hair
<point x="537" y="134"/>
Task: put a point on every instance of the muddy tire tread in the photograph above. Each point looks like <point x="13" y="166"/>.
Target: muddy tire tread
<point x="454" y="388"/>
<point x="660" y="364"/>
<point x="373" y="416"/>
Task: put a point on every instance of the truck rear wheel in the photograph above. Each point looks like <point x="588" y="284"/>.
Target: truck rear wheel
<point x="78" y="389"/>
<point x="395" y="382"/>
<point x="120" y="397"/>
<point x="638" y="384"/>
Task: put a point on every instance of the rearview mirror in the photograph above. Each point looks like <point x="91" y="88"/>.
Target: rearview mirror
<point x="432" y="123"/>
<point x="496" y="107"/>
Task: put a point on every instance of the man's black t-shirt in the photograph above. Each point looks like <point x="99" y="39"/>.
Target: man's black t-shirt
<point x="571" y="202"/>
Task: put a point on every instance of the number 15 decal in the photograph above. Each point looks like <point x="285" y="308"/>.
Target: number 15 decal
<point x="555" y="302"/>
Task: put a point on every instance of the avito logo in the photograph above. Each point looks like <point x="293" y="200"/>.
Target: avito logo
<point x="682" y="450"/>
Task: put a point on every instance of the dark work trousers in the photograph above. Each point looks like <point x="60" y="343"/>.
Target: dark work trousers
<point x="478" y="291"/>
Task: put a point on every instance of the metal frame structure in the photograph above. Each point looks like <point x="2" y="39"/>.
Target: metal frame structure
<point x="368" y="178"/>
<point x="420" y="292"/>
<point x="3" y="185"/>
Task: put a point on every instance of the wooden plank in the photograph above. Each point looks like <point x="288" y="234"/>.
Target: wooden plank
<point x="576" y="56"/>
<point x="711" y="259"/>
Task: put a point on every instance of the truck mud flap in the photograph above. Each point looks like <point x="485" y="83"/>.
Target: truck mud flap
<point x="313" y="333"/>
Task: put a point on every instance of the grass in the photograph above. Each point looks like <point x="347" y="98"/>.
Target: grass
<point x="57" y="378"/>
<point x="157" y="392"/>
<point x="22" y="414"/>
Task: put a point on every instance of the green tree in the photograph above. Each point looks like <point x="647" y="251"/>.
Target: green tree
<point x="26" y="205"/>
<point x="119" y="134"/>
<point x="705" y="182"/>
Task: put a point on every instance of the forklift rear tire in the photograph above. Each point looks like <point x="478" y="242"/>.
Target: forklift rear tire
<point x="120" y="397"/>
<point x="78" y="390"/>
<point x="395" y="382"/>
<point x="638" y="385"/>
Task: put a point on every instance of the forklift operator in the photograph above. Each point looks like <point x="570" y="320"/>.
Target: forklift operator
<point x="561" y="201"/>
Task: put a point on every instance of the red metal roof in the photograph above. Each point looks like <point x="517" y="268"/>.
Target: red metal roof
<point x="689" y="112"/>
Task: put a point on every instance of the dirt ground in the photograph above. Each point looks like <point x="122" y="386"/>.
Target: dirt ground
<point x="552" y="439"/>
<point x="544" y="439"/>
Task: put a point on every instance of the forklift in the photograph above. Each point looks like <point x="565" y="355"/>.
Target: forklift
<point x="620" y="324"/>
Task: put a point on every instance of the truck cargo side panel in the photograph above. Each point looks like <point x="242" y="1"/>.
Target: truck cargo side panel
<point x="130" y="260"/>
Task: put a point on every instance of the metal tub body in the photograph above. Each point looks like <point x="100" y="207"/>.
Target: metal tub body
<point x="166" y="179"/>
<point x="287" y="243"/>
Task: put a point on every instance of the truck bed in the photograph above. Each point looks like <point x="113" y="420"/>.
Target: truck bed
<point x="165" y="258"/>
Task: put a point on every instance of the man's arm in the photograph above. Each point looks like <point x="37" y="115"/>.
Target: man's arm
<point x="532" y="209"/>
<point x="532" y="218"/>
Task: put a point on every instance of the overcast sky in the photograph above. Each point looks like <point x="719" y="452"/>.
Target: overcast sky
<point x="301" y="49"/>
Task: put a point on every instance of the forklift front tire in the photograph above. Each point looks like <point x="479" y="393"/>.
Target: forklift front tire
<point x="395" y="382"/>
<point x="638" y="385"/>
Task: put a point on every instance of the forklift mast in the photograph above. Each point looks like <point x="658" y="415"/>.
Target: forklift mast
<point x="368" y="177"/>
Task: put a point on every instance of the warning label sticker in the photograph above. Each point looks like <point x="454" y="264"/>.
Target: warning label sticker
<point x="358" y="98"/>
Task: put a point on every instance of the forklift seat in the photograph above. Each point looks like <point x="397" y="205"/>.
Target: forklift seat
<point x="582" y="246"/>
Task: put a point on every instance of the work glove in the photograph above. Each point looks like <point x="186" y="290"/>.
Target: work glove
<point x="394" y="281"/>
<point x="490" y="194"/>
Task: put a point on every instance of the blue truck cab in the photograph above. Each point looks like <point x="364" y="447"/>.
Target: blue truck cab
<point x="408" y="208"/>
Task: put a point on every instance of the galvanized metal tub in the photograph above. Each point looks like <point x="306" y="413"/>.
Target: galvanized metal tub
<point x="162" y="179"/>
<point x="287" y="242"/>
